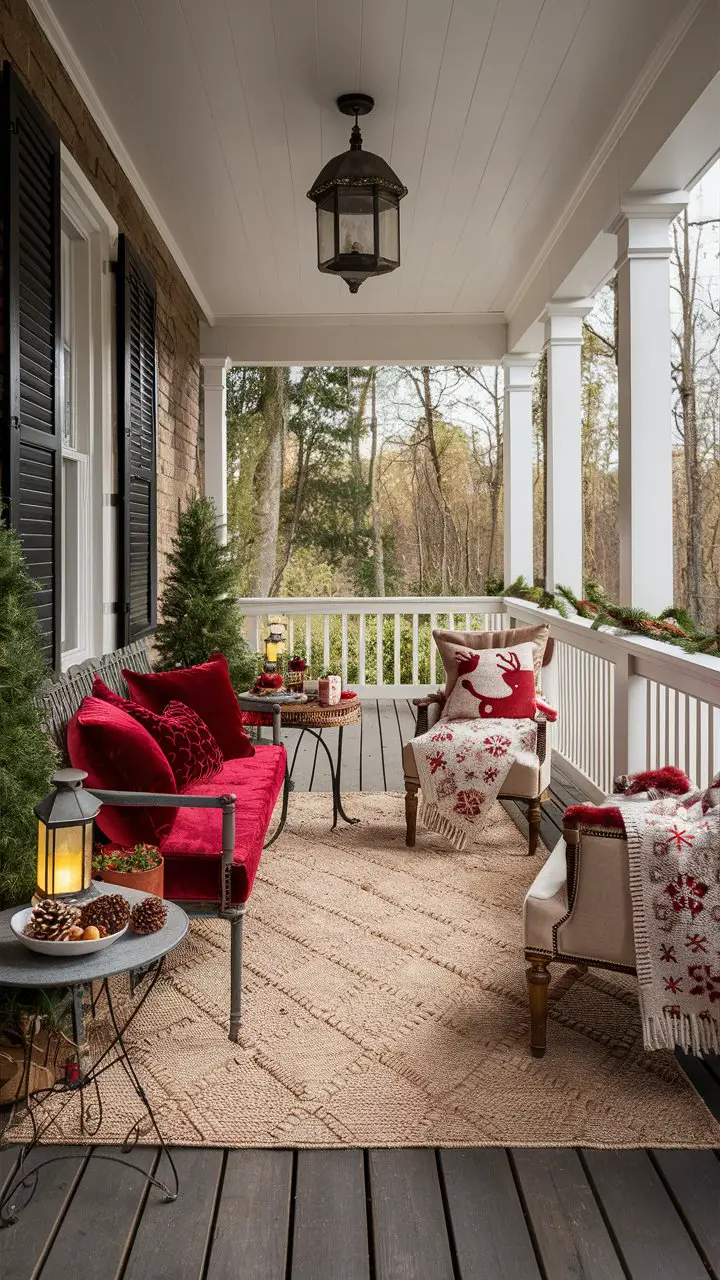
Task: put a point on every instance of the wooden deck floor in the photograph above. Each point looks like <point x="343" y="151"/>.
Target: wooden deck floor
<point x="381" y="1214"/>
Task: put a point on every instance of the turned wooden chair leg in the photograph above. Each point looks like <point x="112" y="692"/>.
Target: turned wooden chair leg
<point x="534" y="815"/>
<point x="411" y="808"/>
<point x="538" y="979"/>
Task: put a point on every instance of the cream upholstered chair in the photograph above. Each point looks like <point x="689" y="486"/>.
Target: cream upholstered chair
<point x="527" y="781"/>
<point x="577" y="911"/>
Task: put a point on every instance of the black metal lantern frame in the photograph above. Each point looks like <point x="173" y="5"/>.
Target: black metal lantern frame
<point x="66" y="820"/>
<point x="357" y="190"/>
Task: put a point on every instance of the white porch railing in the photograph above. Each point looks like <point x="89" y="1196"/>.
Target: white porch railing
<point x="381" y="645"/>
<point x="625" y="703"/>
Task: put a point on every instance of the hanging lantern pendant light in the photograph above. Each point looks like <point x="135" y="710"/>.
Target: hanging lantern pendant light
<point x="357" y="197"/>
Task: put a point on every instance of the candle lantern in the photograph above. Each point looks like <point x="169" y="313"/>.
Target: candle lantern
<point x="272" y="645"/>
<point x="357" y="196"/>
<point x="65" y="838"/>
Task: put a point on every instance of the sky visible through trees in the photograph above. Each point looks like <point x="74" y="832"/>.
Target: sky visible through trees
<point x="388" y="481"/>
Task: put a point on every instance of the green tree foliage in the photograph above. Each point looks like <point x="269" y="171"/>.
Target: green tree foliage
<point x="198" y="607"/>
<point x="26" y="755"/>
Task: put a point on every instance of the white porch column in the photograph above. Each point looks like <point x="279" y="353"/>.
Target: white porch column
<point x="215" y="413"/>
<point x="644" y="391"/>
<point x="518" y="468"/>
<point x="563" y="459"/>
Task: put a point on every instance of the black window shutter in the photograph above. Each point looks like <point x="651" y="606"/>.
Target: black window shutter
<point x="30" y="435"/>
<point x="137" y="421"/>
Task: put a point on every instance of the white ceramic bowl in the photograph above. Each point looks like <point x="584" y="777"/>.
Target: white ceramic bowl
<point x="61" y="950"/>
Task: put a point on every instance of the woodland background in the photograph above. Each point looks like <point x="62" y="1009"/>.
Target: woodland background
<point x="389" y="481"/>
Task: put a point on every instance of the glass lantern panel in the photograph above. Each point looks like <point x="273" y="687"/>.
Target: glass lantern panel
<point x="389" y="219"/>
<point x="64" y="859"/>
<point x="326" y="230"/>
<point x="357" y="232"/>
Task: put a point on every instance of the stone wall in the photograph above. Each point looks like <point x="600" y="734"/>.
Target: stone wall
<point x="179" y="446"/>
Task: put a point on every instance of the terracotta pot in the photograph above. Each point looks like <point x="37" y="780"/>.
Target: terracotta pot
<point x="152" y="881"/>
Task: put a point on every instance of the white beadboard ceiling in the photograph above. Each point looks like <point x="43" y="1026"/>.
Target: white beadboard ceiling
<point x="489" y="111"/>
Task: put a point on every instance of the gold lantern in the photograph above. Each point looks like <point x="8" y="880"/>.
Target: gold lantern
<point x="65" y="838"/>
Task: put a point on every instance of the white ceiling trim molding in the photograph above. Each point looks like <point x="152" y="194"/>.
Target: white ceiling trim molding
<point x="389" y="319"/>
<point x="642" y="87"/>
<point x="65" y="52"/>
<point x="364" y="340"/>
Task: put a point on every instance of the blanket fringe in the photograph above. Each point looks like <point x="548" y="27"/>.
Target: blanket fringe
<point x="685" y="1031"/>
<point x="434" y="820"/>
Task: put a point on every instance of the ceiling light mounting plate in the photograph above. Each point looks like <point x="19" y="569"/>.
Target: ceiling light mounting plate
<point x="355" y="104"/>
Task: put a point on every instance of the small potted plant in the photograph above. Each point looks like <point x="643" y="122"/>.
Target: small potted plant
<point x="139" y="868"/>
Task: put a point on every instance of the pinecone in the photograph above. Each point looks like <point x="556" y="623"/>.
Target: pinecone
<point x="148" y="916"/>
<point x="110" y="912"/>
<point x="52" y="921"/>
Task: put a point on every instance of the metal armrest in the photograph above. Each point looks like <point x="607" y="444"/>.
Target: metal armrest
<point x="153" y="800"/>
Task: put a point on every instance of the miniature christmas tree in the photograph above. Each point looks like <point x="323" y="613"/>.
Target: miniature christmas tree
<point x="200" y="615"/>
<point x="27" y="757"/>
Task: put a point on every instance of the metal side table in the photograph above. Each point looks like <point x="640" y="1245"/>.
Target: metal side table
<point x="132" y="954"/>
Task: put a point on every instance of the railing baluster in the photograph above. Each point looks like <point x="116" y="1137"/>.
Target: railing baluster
<point x="415" y="648"/>
<point x="380" y="666"/>
<point x="291" y="635"/>
<point x="396" y="649"/>
<point x="308" y="640"/>
<point x="361" y="650"/>
<point x="344" y="649"/>
<point x="433" y="650"/>
<point x="326" y="641"/>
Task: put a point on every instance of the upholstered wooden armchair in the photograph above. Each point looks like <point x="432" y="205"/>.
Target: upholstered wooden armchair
<point x="577" y="911"/>
<point x="529" y="778"/>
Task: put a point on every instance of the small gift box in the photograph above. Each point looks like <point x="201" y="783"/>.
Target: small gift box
<point x="329" y="690"/>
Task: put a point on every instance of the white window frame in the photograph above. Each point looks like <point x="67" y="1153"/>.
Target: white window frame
<point x="94" y="396"/>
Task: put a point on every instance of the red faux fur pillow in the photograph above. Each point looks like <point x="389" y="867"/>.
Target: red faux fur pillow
<point x="590" y="815"/>
<point x="669" y="779"/>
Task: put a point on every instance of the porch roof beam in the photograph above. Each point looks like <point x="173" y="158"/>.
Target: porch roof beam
<point x="361" y="340"/>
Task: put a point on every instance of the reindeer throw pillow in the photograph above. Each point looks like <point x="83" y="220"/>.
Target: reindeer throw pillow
<point x="496" y="684"/>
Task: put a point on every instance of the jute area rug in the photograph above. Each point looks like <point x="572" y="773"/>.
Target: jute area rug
<point x="385" y="1005"/>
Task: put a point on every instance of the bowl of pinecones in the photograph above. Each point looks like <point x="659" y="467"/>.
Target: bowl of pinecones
<point x="55" y="928"/>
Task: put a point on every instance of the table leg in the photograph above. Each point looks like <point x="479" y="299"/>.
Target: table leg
<point x="115" y="1053"/>
<point x="338" y="782"/>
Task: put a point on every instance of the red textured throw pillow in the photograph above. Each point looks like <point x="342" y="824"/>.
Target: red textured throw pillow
<point x="205" y="688"/>
<point x="118" y="754"/>
<point x="495" y="684"/>
<point x="184" y="738"/>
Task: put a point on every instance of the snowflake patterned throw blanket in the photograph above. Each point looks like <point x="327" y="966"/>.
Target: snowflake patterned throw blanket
<point x="674" y="855"/>
<point x="462" y="764"/>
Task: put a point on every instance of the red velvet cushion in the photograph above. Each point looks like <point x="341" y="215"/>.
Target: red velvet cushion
<point x="193" y="849"/>
<point x="184" y="738"/>
<point x="118" y="754"/>
<point x="207" y="689"/>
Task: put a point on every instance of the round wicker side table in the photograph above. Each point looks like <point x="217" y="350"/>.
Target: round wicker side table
<point x="308" y="717"/>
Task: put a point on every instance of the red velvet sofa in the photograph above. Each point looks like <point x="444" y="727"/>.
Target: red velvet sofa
<point x="211" y="830"/>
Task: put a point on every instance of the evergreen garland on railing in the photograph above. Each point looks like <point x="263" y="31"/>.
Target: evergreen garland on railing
<point x="674" y="626"/>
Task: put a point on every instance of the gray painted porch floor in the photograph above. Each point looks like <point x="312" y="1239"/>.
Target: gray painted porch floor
<point x="382" y="1214"/>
